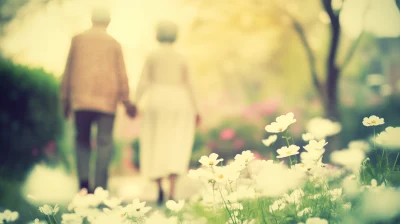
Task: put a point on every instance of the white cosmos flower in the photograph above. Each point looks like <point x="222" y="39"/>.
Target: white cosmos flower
<point x="48" y="210"/>
<point x="307" y="137"/>
<point x="277" y="205"/>
<point x="305" y="211"/>
<point x="113" y="202"/>
<point x="101" y="194"/>
<point x="90" y="213"/>
<point x="37" y="221"/>
<point x="244" y="158"/>
<point x="8" y="216"/>
<point x="373" y="121"/>
<point x="351" y="187"/>
<point x="299" y="167"/>
<point x="276" y="179"/>
<point x="244" y="192"/>
<point x="349" y="158"/>
<point x="281" y="124"/>
<point x="256" y="166"/>
<point x="316" y="220"/>
<point x="210" y="161"/>
<point x="335" y="193"/>
<point x="175" y="207"/>
<point x="270" y="140"/>
<point x="389" y="138"/>
<point x="381" y="205"/>
<point x="224" y="174"/>
<point x="315" y="145"/>
<point x="104" y="218"/>
<point x="295" y="197"/>
<point x="158" y="218"/>
<point x="311" y="159"/>
<point x="84" y="201"/>
<point x="321" y="128"/>
<point x="359" y="144"/>
<point x="71" y="218"/>
<point x="346" y="206"/>
<point x="201" y="174"/>
<point x="136" y="209"/>
<point x="288" y="151"/>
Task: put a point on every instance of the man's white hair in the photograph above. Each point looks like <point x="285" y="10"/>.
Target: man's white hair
<point x="101" y="15"/>
<point x="167" y="31"/>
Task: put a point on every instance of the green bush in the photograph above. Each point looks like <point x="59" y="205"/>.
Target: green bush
<point x="31" y="123"/>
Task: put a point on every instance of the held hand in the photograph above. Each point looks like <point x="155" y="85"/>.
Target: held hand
<point x="198" y="120"/>
<point x="131" y="110"/>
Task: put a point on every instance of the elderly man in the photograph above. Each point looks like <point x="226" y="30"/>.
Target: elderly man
<point x="94" y="82"/>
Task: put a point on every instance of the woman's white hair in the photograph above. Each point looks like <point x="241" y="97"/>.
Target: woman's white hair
<point x="101" y="15"/>
<point x="167" y="31"/>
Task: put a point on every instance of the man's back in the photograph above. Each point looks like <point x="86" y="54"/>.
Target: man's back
<point x="95" y="72"/>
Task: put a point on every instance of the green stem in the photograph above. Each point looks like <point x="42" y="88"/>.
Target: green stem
<point x="290" y="159"/>
<point x="55" y="220"/>
<point x="397" y="157"/>
<point x="287" y="137"/>
<point x="226" y="207"/>
<point x="48" y="220"/>
<point x="374" y="138"/>
<point x="262" y="211"/>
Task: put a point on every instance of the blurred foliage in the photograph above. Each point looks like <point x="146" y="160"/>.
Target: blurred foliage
<point x="30" y="120"/>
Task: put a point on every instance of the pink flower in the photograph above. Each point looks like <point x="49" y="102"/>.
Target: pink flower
<point x="211" y="145"/>
<point x="50" y="148"/>
<point x="227" y="134"/>
<point x="35" y="152"/>
<point x="257" y="156"/>
<point x="238" y="143"/>
<point x="270" y="106"/>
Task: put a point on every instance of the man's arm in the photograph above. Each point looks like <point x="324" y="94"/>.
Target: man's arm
<point x="124" y="84"/>
<point x="123" y="78"/>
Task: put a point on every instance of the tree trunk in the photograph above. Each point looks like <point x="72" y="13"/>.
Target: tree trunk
<point x="332" y="102"/>
<point x="333" y="73"/>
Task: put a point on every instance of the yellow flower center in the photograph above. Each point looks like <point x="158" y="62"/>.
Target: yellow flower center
<point x="211" y="163"/>
<point x="221" y="176"/>
<point x="373" y="122"/>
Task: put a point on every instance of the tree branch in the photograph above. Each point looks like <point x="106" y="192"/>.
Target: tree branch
<point x="355" y="44"/>
<point x="335" y="29"/>
<point x="310" y="54"/>
<point x="351" y="51"/>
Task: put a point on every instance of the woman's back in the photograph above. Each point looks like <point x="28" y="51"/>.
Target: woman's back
<point x="166" y="66"/>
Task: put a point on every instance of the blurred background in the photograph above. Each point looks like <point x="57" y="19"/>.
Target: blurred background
<point x="252" y="60"/>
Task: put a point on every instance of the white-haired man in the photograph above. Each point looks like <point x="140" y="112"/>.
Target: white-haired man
<point x="94" y="81"/>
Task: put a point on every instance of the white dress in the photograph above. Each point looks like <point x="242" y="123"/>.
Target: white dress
<point x="167" y="108"/>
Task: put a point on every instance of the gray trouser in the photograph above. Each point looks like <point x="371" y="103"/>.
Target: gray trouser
<point x="83" y="124"/>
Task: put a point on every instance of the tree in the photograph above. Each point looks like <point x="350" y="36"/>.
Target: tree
<point x="328" y="88"/>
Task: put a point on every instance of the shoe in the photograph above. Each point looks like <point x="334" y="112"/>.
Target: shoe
<point x="84" y="184"/>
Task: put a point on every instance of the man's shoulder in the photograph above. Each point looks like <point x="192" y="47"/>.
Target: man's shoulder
<point x="89" y="33"/>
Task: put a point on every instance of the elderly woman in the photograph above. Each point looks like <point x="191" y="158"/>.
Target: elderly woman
<point x="169" y="112"/>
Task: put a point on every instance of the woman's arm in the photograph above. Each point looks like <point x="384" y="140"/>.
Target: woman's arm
<point x="188" y="80"/>
<point x="123" y="77"/>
